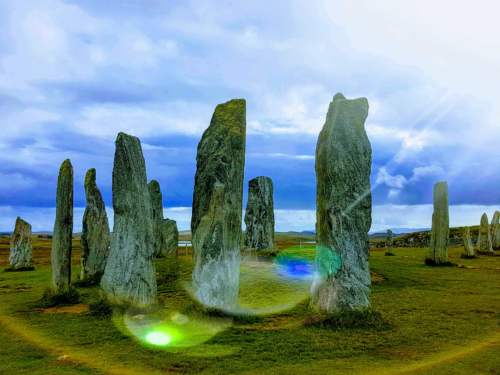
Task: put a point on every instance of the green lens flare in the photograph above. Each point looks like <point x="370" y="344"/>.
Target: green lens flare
<point x="158" y="338"/>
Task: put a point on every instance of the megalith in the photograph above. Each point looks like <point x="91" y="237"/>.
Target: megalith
<point x="484" y="244"/>
<point x="259" y="214"/>
<point x="495" y="231"/>
<point x="389" y="243"/>
<point x="21" y="249"/>
<point x="217" y="206"/>
<point x="469" y="251"/>
<point x="343" y="208"/>
<point x="169" y="237"/>
<point x="438" y="247"/>
<point x="156" y="215"/>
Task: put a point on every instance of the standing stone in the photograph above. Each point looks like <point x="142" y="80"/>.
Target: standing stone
<point x="468" y="247"/>
<point x="63" y="231"/>
<point x="130" y="277"/>
<point x="95" y="233"/>
<point x="217" y="206"/>
<point x="259" y="215"/>
<point x="343" y="208"/>
<point x="21" y="249"/>
<point x="169" y="237"/>
<point x="438" y="249"/>
<point x="156" y="214"/>
<point x="495" y="231"/>
<point x="484" y="239"/>
<point x="389" y="243"/>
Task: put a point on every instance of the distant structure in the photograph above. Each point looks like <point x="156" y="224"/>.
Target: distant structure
<point x="63" y="231"/>
<point x="130" y="277"/>
<point x="217" y="206"/>
<point x="438" y="249"/>
<point x="259" y="214"/>
<point x="469" y="251"/>
<point x="95" y="233"/>
<point x="495" y="231"/>
<point x="343" y="208"/>
<point x="21" y="249"/>
<point x="484" y="245"/>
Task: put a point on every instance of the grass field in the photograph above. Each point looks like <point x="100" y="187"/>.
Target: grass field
<point x="441" y="321"/>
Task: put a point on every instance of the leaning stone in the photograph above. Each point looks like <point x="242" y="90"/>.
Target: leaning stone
<point x="343" y="209"/>
<point x="156" y="214"/>
<point x="63" y="231"/>
<point x="438" y="249"/>
<point x="469" y="251"/>
<point x="130" y="277"/>
<point x="259" y="214"/>
<point x="21" y="249"/>
<point x="95" y="233"/>
<point x="495" y="231"/>
<point x="169" y="237"/>
<point x="217" y="206"/>
<point x="484" y="245"/>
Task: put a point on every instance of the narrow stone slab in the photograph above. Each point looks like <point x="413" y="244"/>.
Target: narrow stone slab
<point x="438" y="247"/>
<point x="21" y="249"/>
<point x="389" y="242"/>
<point x="95" y="238"/>
<point x="259" y="214"/>
<point x="169" y="237"/>
<point x="130" y="277"/>
<point x="217" y="206"/>
<point x="343" y="208"/>
<point x="469" y="251"/>
<point x="156" y="214"/>
<point x="495" y="231"/>
<point x="484" y="244"/>
<point x="63" y="231"/>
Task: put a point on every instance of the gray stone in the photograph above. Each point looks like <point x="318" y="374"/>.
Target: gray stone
<point x="156" y="214"/>
<point x="217" y="206"/>
<point x="63" y="230"/>
<point x="169" y="237"/>
<point x="495" y="231"/>
<point x="130" y="276"/>
<point x="484" y="244"/>
<point x="438" y="247"/>
<point x="21" y="249"/>
<point x="469" y="251"/>
<point x="259" y="215"/>
<point x="95" y="233"/>
<point x="389" y="242"/>
<point x="343" y="208"/>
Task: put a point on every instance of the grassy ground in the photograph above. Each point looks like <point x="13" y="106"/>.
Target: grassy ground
<point x="442" y="321"/>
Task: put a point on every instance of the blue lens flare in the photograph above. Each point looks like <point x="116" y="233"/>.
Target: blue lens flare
<point x="295" y="267"/>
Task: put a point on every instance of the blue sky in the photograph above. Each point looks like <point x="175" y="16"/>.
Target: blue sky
<point x="74" y="73"/>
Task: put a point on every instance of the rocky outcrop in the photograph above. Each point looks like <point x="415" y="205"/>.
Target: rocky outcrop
<point x="169" y="237"/>
<point x="21" y="249"/>
<point x="469" y="251"/>
<point x="259" y="215"/>
<point x="495" y="231"/>
<point x="95" y="238"/>
<point x="343" y="208"/>
<point x="217" y="206"/>
<point x="156" y="215"/>
<point x="129" y="277"/>
<point x="438" y="246"/>
<point x="63" y="231"/>
<point x="484" y="244"/>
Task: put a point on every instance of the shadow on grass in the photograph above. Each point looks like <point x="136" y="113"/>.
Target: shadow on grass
<point x="20" y="269"/>
<point x="51" y="299"/>
<point x="353" y="319"/>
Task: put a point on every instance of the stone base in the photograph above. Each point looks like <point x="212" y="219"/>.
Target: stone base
<point x="487" y="253"/>
<point x="432" y="263"/>
<point x="389" y="254"/>
<point x="20" y="269"/>
<point x="464" y="256"/>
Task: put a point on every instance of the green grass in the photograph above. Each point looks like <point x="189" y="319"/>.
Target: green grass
<point x="441" y="320"/>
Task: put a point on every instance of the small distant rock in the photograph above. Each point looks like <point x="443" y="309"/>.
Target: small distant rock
<point x="21" y="249"/>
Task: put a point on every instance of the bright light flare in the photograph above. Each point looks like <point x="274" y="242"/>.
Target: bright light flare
<point x="158" y="338"/>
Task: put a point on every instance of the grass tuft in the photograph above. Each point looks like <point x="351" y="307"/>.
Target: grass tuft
<point x="352" y="319"/>
<point x="101" y="309"/>
<point x="389" y="254"/>
<point x="51" y="299"/>
<point x="20" y="269"/>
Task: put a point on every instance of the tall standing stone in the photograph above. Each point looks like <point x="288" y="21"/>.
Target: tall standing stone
<point x="95" y="233"/>
<point x="63" y="230"/>
<point x="217" y="206"/>
<point x="156" y="214"/>
<point x="259" y="215"/>
<point x="438" y="249"/>
<point x="343" y="208"/>
<point x="389" y="243"/>
<point x="468" y="247"/>
<point x="484" y="239"/>
<point x="495" y="231"/>
<point x="169" y="237"/>
<point x="21" y="249"/>
<point x="129" y="277"/>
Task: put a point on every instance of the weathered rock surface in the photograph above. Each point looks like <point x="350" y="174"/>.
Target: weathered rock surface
<point x="21" y="249"/>
<point x="217" y="206"/>
<point x="169" y="237"/>
<point x="484" y="244"/>
<point x="438" y="246"/>
<point x="259" y="214"/>
<point x="129" y="277"/>
<point x="389" y="242"/>
<point x="495" y="231"/>
<point x="468" y="247"/>
<point x="343" y="208"/>
<point x="156" y="214"/>
<point x="63" y="230"/>
<point x="95" y="233"/>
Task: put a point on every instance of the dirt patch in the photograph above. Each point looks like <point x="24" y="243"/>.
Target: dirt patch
<point x="377" y="278"/>
<point x="74" y="309"/>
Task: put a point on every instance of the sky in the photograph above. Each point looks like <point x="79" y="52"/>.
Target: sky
<point x="75" y="73"/>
